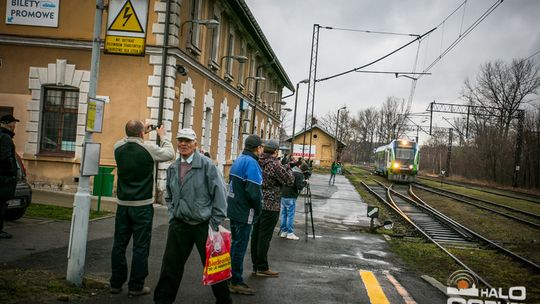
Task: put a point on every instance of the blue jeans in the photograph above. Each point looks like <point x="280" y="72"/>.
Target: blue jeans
<point x="288" y="205"/>
<point x="240" y="238"/>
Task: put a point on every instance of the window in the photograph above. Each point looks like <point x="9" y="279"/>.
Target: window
<point x="186" y="114"/>
<point x="195" y="28"/>
<point x="229" y="61"/>
<point x="59" y="121"/>
<point x="5" y="111"/>
<point x="241" y="65"/>
<point x="214" y="45"/>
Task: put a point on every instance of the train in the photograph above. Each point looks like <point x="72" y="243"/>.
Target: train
<point x="398" y="160"/>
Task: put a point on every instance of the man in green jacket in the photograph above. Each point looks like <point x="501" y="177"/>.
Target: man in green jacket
<point x="196" y="198"/>
<point x="135" y="162"/>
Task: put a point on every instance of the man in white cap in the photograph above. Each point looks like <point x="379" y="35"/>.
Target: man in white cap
<point x="196" y="199"/>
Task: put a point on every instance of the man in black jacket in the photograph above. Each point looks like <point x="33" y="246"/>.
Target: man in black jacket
<point x="289" y="194"/>
<point x="8" y="167"/>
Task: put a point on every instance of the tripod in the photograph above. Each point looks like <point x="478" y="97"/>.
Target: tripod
<point x="308" y="208"/>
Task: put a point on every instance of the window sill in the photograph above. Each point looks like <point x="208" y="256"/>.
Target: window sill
<point x="193" y="49"/>
<point x="229" y="78"/>
<point x="240" y="87"/>
<point x="213" y="66"/>
<point x="51" y="157"/>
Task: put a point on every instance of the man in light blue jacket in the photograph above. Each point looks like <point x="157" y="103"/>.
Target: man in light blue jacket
<point x="196" y="199"/>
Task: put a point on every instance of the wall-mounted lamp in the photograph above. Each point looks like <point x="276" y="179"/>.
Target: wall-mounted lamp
<point x="240" y="58"/>
<point x="281" y="102"/>
<point x="209" y="23"/>
<point x="286" y="109"/>
<point x="256" y="78"/>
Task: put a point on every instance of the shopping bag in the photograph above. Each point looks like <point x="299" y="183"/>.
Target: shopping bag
<point x="217" y="267"/>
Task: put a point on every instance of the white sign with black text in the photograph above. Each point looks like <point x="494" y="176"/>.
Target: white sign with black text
<point x="33" y="12"/>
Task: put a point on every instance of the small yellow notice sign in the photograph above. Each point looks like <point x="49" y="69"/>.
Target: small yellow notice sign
<point x="124" y="45"/>
<point x="126" y="27"/>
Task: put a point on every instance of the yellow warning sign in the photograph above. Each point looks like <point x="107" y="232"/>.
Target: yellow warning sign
<point x="124" y="45"/>
<point x="126" y="20"/>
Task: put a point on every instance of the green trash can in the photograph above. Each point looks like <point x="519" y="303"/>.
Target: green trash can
<point x="104" y="181"/>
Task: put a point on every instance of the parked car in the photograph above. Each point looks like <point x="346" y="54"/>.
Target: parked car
<point x="16" y="207"/>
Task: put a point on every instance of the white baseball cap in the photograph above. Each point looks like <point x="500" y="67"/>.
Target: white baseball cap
<point x="186" y="133"/>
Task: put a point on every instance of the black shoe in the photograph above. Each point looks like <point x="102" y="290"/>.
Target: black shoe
<point x="5" y="235"/>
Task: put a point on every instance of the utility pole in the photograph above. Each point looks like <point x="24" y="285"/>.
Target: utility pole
<point x="449" y="154"/>
<point x="81" y="205"/>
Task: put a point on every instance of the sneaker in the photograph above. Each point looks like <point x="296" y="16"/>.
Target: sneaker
<point x="292" y="236"/>
<point x="144" y="291"/>
<point x="241" y="288"/>
<point x="283" y="234"/>
<point x="115" y="290"/>
<point x="267" y="273"/>
<point x="5" y="235"/>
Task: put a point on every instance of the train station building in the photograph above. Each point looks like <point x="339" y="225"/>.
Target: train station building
<point x="219" y="67"/>
<point x="317" y="144"/>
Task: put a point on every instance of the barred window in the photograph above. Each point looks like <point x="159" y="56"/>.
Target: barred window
<point x="59" y="121"/>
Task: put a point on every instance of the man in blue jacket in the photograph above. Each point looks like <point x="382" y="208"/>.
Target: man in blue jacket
<point x="195" y="199"/>
<point x="244" y="206"/>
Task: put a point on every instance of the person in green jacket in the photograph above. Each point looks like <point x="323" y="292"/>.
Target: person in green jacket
<point x="135" y="161"/>
<point x="333" y="172"/>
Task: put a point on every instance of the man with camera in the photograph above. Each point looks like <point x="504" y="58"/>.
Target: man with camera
<point x="135" y="161"/>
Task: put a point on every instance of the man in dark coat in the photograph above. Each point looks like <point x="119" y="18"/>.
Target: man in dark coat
<point x="8" y="167"/>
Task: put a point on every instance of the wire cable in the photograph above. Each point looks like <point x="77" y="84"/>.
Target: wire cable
<point x="467" y="32"/>
<point x="369" y="32"/>
<point x="376" y="60"/>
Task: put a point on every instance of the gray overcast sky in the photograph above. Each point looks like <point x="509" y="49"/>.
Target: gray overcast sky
<point x="511" y="31"/>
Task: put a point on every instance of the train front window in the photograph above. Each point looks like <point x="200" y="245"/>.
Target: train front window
<point x="405" y="154"/>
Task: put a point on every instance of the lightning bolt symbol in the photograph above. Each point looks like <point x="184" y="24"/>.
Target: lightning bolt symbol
<point x="127" y="15"/>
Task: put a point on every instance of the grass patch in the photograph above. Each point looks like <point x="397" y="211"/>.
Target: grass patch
<point x="34" y="286"/>
<point x="425" y="258"/>
<point x="58" y="213"/>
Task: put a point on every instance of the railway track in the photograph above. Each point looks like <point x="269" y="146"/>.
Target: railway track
<point x="516" y="214"/>
<point x="438" y="228"/>
<point x="501" y="192"/>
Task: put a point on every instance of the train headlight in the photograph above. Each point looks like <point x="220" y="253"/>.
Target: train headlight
<point x="396" y="165"/>
<point x="410" y="167"/>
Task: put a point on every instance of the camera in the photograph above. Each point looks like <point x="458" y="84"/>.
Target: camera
<point x="151" y="128"/>
<point x="182" y="70"/>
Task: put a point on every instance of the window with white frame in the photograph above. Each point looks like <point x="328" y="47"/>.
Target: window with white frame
<point x="186" y="113"/>
<point x="60" y="107"/>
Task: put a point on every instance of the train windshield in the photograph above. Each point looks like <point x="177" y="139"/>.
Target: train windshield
<point x="405" y="154"/>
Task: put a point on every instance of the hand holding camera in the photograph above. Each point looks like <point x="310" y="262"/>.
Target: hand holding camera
<point x="160" y="129"/>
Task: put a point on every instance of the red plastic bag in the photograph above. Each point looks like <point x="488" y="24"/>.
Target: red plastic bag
<point x="217" y="267"/>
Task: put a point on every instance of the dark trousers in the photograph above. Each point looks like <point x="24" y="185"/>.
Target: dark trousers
<point x="7" y="191"/>
<point x="180" y="240"/>
<point x="2" y="206"/>
<point x="261" y="236"/>
<point x="136" y="221"/>
<point x="240" y="240"/>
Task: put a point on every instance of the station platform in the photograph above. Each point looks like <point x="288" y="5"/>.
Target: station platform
<point x="341" y="264"/>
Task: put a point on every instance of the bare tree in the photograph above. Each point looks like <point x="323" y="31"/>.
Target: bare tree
<point x="505" y="87"/>
<point x="392" y="118"/>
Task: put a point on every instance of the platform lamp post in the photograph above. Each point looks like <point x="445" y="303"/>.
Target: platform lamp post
<point x="294" y="114"/>
<point x="337" y="130"/>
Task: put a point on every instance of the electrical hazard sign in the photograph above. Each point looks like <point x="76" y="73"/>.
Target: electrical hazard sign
<point x="126" y="27"/>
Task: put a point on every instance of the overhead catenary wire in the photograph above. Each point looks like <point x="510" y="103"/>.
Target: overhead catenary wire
<point x="369" y="32"/>
<point x="376" y="60"/>
<point x="465" y="33"/>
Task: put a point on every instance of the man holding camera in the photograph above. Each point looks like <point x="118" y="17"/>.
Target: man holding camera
<point x="289" y="195"/>
<point x="135" y="162"/>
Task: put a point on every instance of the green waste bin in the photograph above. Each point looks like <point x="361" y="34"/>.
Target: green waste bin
<point x="104" y="181"/>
